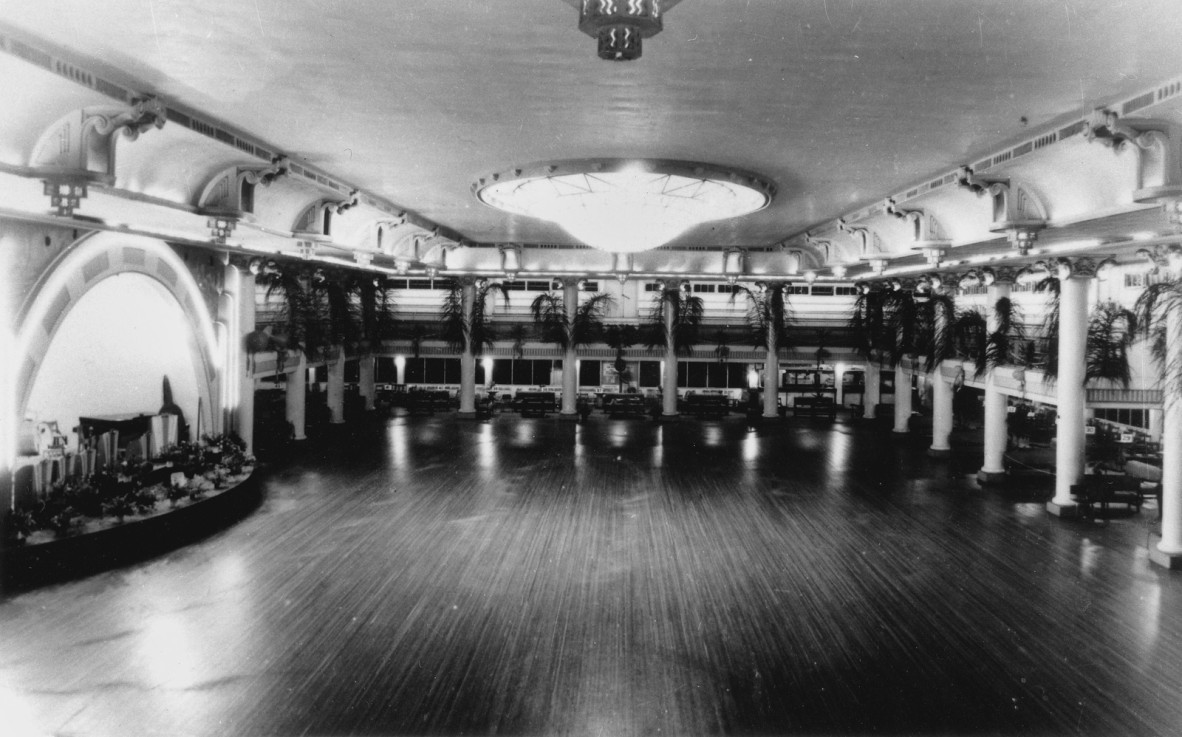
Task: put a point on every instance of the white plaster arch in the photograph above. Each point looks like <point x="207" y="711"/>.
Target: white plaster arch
<point x="86" y="263"/>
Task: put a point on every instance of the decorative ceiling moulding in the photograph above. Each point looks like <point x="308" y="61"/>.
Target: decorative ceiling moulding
<point x="1046" y="137"/>
<point x="54" y="60"/>
<point x="510" y="259"/>
<point x="868" y="246"/>
<point x="78" y="150"/>
<point x="821" y="247"/>
<point x="625" y="205"/>
<point x="927" y="237"/>
<point x="1158" y="257"/>
<point x="229" y="198"/>
<point x="1014" y="206"/>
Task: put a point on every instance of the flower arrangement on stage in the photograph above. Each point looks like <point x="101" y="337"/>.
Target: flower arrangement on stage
<point x="81" y="504"/>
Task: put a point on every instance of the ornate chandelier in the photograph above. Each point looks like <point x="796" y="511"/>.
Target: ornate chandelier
<point x="625" y="206"/>
<point x="621" y="25"/>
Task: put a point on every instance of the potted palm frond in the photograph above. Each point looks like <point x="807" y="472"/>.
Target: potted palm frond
<point x="568" y="327"/>
<point x="722" y="345"/>
<point x="1159" y="311"/>
<point x="620" y="338"/>
<point x="1005" y="345"/>
<point x="1111" y="331"/>
<point x="519" y="334"/>
<point x="768" y="317"/>
<point x="687" y="311"/>
<point x="462" y="332"/>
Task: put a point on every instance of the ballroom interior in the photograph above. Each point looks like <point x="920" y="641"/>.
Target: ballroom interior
<point x="591" y="367"/>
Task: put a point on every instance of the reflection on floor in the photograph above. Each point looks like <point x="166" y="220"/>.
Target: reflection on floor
<point x="618" y="577"/>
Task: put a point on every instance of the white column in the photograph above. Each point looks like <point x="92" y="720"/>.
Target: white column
<point x="873" y="393"/>
<point x="400" y="370"/>
<point x="941" y="413"/>
<point x="669" y="380"/>
<point x="902" y="399"/>
<point x="468" y="357"/>
<point x="996" y="432"/>
<point x="295" y="396"/>
<point x="1168" y="551"/>
<point x="1156" y="424"/>
<point x="771" y="374"/>
<point x="570" y="365"/>
<point x="1070" y="393"/>
<point x="335" y="389"/>
<point x="365" y="380"/>
<point x="996" y="435"/>
<point x="838" y="385"/>
<point x="241" y="414"/>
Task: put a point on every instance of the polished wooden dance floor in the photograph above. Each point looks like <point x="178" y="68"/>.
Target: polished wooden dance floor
<point x="521" y="576"/>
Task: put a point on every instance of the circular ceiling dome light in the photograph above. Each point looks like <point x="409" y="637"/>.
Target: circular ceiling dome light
<point x="622" y="205"/>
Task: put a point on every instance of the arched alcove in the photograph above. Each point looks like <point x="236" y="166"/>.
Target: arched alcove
<point x="111" y="353"/>
<point x="141" y="317"/>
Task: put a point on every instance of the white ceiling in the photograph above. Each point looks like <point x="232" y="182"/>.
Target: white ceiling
<point x="840" y="102"/>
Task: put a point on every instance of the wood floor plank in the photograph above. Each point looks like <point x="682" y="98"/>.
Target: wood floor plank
<point x="533" y="576"/>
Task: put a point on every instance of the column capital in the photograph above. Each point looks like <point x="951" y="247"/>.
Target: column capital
<point x="1000" y="275"/>
<point x="1082" y="267"/>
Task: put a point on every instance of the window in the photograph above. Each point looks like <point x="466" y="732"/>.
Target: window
<point x="1131" y="417"/>
<point x="798" y="289"/>
<point x="650" y="373"/>
<point x="589" y="373"/>
<point x="503" y="372"/>
<point x="823" y="291"/>
<point x="716" y="375"/>
<point x="414" y="371"/>
<point x="736" y="375"/>
<point x="589" y="286"/>
<point x="652" y="287"/>
<point x="1134" y="280"/>
<point x="695" y="374"/>
<point x="707" y="288"/>
<point x="846" y="291"/>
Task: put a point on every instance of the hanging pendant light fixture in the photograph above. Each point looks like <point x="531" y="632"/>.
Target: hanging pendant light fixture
<point x="620" y="26"/>
<point x="625" y="206"/>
